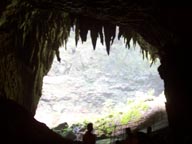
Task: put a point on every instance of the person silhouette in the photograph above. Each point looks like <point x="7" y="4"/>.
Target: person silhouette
<point x="128" y="133"/>
<point x="149" y="130"/>
<point x="89" y="137"/>
<point x="128" y="136"/>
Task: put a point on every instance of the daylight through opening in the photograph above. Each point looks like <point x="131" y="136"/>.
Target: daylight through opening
<point x="91" y="86"/>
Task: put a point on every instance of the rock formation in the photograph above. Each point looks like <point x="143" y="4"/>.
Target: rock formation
<point x="31" y="32"/>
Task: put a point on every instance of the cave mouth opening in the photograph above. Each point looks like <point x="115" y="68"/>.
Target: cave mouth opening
<point x="90" y="85"/>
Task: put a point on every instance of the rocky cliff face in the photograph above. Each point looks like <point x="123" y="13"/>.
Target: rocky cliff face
<point x="89" y="83"/>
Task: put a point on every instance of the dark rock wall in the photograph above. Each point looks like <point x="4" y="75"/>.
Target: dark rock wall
<point x="175" y="71"/>
<point x="17" y="80"/>
<point x="29" y="38"/>
<point x="30" y="33"/>
<point x="10" y="77"/>
<point x="19" y="126"/>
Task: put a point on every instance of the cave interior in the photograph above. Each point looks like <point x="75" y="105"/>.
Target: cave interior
<point x="32" y="31"/>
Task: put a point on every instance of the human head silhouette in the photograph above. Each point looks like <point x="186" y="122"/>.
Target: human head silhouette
<point x="128" y="130"/>
<point x="90" y="127"/>
<point x="149" y="129"/>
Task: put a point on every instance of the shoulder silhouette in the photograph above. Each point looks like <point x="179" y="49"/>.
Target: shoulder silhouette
<point x="89" y="137"/>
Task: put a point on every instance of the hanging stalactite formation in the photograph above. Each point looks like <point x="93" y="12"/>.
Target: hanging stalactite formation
<point x="52" y="28"/>
<point x="38" y="28"/>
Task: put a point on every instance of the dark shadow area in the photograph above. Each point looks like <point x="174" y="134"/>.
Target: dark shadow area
<point x="32" y="31"/>
<point x="19" y="126"/>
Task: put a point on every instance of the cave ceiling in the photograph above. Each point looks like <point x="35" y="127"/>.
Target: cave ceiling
<point x="148" y="22"/>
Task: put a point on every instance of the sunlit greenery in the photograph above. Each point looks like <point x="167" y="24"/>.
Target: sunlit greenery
<point x="105" y="125"/>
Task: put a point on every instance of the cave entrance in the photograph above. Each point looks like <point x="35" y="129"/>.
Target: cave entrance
<point x="89" y="85"/>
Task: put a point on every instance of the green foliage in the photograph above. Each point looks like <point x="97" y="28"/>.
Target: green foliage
<point x="134" y="112"/>
<point x="104" y="126"/>
<point x="130" y="101"/>
<point x="131" y="115"/>
<point x="85" y="122"/>
<point x="141" y="106"/>
<point x="68" y="133"/>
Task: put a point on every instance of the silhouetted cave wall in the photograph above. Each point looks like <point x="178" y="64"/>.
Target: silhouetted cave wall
<point x="19" y="81"/>
<point x="29" y="39"/>
<point x="31" y="35"/>
<point x="174" y="70"/>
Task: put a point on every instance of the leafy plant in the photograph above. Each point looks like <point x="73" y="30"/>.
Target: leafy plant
<point x="131" y="115"/>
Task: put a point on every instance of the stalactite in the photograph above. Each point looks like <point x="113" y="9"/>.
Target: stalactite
<point x="94" y="35"/>
<point x="72" y="20"/>
<point x="76" y="31"/>
<point x="109" y="31"/>
<point x="126" y="33"/>
<point x="83" y="28"/>
<point x="96" y="30"/>
<point x="100" y="27"/>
